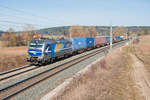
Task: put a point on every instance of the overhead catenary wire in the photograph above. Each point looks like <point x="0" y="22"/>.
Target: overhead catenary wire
<point x="10" y="25"/>
<point x="20" y="11"/>
<point x="34" y="16"/>
<point x="16" y="23"/>
<point x="21" y="23"/>
<point x="19" y="17"/>
<point x="28" y="13"/>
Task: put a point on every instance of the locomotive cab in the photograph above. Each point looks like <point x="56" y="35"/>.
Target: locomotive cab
<point x="39" y="51"/>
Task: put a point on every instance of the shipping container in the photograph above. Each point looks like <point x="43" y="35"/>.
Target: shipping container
<point x="122" y="37"/>
<point x="126" y="37"/>
<point x="90" y="42"/>
<point x="79" y="43"/>
<point x="107" y="39"/>
<point x="100" y="41"/>
<point x="118" y="38"/>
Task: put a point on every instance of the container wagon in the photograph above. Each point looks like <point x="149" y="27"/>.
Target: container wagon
<point x="118" y="38"/>
<point x="100" y="41"/>
<point x="79" y="44"/>
<point x="122" y="38"/>
<point x="107" y="39"/>
<point x="89" y="43"/>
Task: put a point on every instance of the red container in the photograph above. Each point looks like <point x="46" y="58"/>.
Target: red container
<point x="99" y="41"/>
<point x="114" y="39"/>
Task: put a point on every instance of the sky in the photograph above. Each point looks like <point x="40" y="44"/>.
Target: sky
<point x="51" y="13"/>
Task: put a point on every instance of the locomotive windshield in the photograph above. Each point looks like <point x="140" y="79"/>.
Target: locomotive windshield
<point x="36" y="44"/>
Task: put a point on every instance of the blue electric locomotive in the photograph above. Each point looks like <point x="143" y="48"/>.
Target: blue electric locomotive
<point x="44" y="51"/>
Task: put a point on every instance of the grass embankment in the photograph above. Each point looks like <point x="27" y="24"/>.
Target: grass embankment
<point x="12" y="57"/>
<point x="109" y="79"/>
<point x="142" y="51"/>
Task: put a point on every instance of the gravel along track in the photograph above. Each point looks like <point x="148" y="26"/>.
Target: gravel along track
<point x="53" y="71"/>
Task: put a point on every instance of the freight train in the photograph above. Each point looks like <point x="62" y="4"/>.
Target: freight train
<point x="46" y="51"/>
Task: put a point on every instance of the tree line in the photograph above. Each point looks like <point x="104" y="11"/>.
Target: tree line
<point x="144" y="32"/>
<point x="80" y="31"/>
<point x="11" y="38"/>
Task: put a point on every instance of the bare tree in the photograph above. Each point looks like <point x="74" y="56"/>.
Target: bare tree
<point x="119" y="31"/>
<point x="28" y="33"/>
<point x="79" y="31"/>
<point x="76" y="31"/>
<point x="12" y="37"/>
<point x="5" y="38"/>
<point x="92" y="31"/>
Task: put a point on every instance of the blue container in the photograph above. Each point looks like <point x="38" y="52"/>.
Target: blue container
<point x="90" y="42"/>
<point x="79" y="43"/>
<point x="107" y="39"/>
<point x="118" y="38"/>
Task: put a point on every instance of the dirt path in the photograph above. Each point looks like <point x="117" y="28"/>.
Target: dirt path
<point x="140" y="76"/>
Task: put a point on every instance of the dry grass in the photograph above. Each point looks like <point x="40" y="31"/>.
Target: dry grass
<point x="13" y="51"/>
<point x="142" y="51"/>
<point x="0" y="44"/>
<point x="12" y="57"/>
<point x="109" y="79"/>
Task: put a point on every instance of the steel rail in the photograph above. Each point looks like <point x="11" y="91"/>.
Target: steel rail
<point x="9" y="76"/>
<point x="16" y="69"/>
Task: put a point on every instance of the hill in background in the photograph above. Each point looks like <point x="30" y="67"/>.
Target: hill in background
<point x="102" y="30"/>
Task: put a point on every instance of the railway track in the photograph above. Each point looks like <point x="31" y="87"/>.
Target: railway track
<point x="18" y="71"/>
<point x="13" y="89"/>
<point x="13" y="70"/>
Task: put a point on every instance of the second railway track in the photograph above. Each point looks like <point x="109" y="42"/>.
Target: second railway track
<point x="19" y="71"/>
<point x="13" y="70"/>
